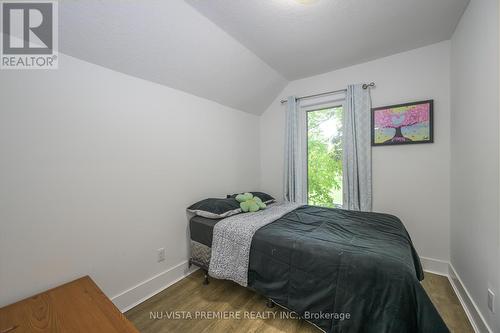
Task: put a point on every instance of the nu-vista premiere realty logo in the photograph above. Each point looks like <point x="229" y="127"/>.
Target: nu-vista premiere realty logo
<point x="29" y="37"/>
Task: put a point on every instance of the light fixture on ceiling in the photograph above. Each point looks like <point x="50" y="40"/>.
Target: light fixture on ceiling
<point x="306" y="2"/>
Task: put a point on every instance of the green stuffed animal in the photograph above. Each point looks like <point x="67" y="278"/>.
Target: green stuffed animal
<point x="249" y="203"/>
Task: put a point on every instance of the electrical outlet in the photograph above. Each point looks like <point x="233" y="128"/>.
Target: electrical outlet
<point x="161" y="254"/>
<point x="491" y="300"/>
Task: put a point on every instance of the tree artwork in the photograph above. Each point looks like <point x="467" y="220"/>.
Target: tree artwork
<point x="410" y="123"/>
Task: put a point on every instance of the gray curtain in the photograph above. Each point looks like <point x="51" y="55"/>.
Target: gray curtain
<point x="294" y="181"/>
<point x="357" y="158"/>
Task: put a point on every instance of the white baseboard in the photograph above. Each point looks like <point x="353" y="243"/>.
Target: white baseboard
<point x="435" y="266"/>
<point x="475" y="317"/>
<point x="445" y="268"/>
<point x="132" y="297"/>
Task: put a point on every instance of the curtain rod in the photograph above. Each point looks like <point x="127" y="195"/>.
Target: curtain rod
<point x="365" y="86"/>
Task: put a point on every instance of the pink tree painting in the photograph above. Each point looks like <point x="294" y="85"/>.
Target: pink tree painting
<point x="402" y="124"/>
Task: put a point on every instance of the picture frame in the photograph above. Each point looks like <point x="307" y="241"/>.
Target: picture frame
<point x="402" y="124"/>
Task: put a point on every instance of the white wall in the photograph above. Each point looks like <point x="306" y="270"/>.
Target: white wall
<point x="96" y="171"/>
<point x="475" y="151"/>
<point x="412" y="181"/>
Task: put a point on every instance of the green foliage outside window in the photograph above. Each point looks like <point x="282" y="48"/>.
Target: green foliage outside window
<point x="324" y="160"/>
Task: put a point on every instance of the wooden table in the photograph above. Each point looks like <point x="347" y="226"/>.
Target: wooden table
<point x="78" y="306"/>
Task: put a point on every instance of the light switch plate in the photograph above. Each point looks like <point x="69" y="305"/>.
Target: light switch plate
<point x="161" y="254"/>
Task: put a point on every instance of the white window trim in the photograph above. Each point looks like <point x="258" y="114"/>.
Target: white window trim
<point x="307" y="106"/>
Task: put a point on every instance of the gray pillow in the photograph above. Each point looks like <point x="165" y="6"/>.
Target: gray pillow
<point x="215" y="208"/>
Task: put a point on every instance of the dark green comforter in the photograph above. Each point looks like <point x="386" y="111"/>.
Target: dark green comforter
<point x="344" y="271"/>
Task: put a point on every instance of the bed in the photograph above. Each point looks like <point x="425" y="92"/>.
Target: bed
<point x="343" y="271"/>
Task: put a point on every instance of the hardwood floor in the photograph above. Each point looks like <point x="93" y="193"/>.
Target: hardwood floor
<point x="446" y="301"/>
<point x="190" y="296"/>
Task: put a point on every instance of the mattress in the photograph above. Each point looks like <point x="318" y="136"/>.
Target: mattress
<point x="201" y="229"/>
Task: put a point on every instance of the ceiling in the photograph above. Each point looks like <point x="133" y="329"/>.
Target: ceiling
<point x="301" y="38"/>
<point x="242" y="53"/>
<point x="170" y="43"/>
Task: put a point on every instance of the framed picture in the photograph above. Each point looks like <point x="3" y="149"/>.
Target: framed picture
<point x="403" y="124"/>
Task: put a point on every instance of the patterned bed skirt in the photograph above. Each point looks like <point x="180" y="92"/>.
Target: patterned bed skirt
<point x="200" y="255"/>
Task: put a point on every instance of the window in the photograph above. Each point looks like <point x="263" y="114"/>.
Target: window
<point x="324" y="157"/>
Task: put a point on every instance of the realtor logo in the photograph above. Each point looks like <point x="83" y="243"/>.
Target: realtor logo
<point x="29" y="35"/>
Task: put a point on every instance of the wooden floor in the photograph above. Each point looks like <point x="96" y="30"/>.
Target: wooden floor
<point x="446" y="301"/>
<point x="190" y="300"/>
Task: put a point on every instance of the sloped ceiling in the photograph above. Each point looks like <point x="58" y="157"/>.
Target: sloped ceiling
<point x="241" y="53"/>
<point x="170" y="43"/>
<point x="301" y="38"/>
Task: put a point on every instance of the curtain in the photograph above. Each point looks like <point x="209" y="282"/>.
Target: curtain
<point x="295" y="169"/>
<point x="357" y="164"/>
